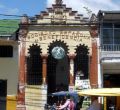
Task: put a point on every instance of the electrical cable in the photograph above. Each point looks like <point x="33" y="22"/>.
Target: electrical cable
<point x="30" y="17"/>
<point x="11" y="15"/>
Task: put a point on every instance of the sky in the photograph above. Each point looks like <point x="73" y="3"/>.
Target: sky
<point x="33" y="7"/>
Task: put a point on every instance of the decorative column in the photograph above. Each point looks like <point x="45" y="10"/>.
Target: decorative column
<point x="44" y="68"/>
<point x="44" y="81"/>
<point x="94" y="59"/>
<point x="21" y="84"/>
<point x="71" y="83"/>
<point x="22" y="65"/>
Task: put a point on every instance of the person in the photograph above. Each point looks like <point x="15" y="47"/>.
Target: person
<point x="79" y="103"/>
<point x="71" y="105"/>
<point x="68" y="105"/>
<point x="95" y="104"/>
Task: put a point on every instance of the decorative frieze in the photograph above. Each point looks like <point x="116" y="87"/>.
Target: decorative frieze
<point x="60" y="35"/>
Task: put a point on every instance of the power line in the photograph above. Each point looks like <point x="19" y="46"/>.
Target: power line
<point x="30" y="17"/>
<point x="11" y="15"/>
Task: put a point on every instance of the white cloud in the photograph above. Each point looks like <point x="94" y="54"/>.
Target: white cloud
<point x="93" y="5"/>
<point x="12" y="11"/>
<point x="6" y="10"/>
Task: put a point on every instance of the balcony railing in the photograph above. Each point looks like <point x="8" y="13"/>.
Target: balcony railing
<point x="110" y="47"/>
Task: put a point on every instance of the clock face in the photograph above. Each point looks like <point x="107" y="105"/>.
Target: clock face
<point x="58" y="52"/>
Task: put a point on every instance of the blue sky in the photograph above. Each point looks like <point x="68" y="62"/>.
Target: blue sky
<point x="20" y="7"/>
<point x="33" y="7"/>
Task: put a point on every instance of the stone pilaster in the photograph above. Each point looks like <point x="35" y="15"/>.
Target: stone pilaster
<point x="21" y="83"/>
<point x="94" y="58"/>
<point x="71" y="57"/>
<point x="94" y="66"/>
<point x="44" y="68"/>
<point x="22" y="64"/>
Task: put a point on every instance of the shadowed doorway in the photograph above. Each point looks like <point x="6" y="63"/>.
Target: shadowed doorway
<point x="57" y="69"/>
<point x="3" y="94"/>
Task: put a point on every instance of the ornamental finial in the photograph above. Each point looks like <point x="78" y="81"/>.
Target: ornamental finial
<point x="59" y="2"/>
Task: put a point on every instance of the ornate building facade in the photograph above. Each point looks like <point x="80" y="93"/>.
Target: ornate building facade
<point x="55" y="46"/>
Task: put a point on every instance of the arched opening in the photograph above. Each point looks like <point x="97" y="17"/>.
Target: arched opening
<point x="34" y="66"/>
<point x="82" y="61"/>
<point x="57" y="69"/>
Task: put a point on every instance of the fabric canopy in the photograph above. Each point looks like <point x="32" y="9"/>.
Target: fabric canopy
<point x="100" y="92"/>
<point x="66" y="93"/>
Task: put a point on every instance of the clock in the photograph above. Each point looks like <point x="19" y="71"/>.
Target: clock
<point x="58" y="52"/>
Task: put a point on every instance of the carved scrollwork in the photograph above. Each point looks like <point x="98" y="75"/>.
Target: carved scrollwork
<point x="22" y="34"/>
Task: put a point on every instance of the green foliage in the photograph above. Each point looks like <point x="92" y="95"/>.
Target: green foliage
<point x="8" y="26"/>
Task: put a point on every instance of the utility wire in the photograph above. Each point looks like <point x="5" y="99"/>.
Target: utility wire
<point x="11" y="15"/>
<point x="43" y="18"/>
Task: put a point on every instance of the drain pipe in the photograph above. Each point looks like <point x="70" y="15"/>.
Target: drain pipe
<point x="99" y="64"/>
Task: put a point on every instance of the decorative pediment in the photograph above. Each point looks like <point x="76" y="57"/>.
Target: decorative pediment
<point x="58" y="2"/>
<point x="59" y="14"/>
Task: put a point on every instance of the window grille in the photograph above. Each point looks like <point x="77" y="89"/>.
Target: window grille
<point x="6" y="51"/>
<point x="81" y="61"/>
<point x="34" y="66"/>
<point x="110" y="36"/>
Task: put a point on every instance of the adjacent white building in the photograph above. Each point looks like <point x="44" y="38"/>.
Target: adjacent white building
<point x="109" y="50"/>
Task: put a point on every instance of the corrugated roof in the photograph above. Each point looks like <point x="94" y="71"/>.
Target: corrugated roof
<point x="8" y="26"/>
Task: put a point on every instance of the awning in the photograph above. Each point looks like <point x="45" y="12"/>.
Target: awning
<point x="100" y="92"/>
<point x="65" y="93"/>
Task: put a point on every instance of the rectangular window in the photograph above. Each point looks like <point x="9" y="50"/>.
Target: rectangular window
<point x="117" y="25"/>
<point x="6" y="51"/>
<point x="110" y="36"/>
<point x="107" y="25"/>
<point x="107" y="36"/>
<point x="117" y="36"/>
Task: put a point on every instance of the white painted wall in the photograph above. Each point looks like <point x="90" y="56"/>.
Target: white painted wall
<point x="111" y="68"/>
<point x="9" y="70"/>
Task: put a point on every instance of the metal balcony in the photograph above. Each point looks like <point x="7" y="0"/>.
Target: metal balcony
<point x="110" y="51"/>
<point x="110" y="47"/>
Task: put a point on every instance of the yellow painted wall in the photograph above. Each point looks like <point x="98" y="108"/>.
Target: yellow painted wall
<point x="11" y="102"/>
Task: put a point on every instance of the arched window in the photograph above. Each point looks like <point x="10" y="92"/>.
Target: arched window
<point x="82" y="61"/>
<point x="34" y="66"/>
